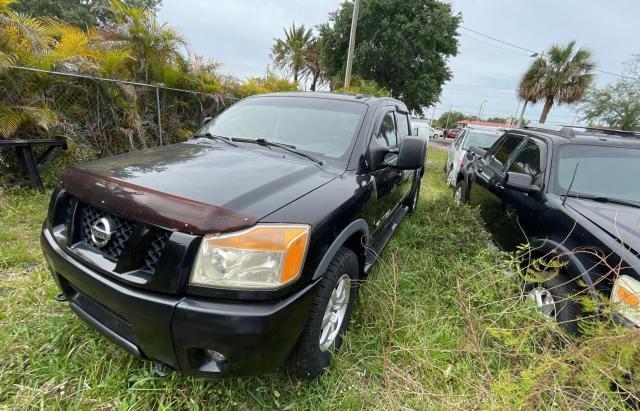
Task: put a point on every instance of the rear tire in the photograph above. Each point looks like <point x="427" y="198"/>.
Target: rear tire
<point x="314" y="349"/>
<point x="460" y="193"/>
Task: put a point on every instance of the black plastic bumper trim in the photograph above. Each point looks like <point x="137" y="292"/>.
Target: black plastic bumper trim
<point x="96" y="325"/>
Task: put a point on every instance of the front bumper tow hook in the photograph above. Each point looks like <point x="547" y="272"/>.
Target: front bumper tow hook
<point x="162" y="370"/>
<point x="60" y="298"/>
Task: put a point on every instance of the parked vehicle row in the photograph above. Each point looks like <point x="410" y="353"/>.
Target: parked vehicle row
<point x="574" y="198"/>
<point x="242" y="248"/>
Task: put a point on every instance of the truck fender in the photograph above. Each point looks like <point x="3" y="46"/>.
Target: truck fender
<point x="357" y="226"/>
<point x="574" y="267"/>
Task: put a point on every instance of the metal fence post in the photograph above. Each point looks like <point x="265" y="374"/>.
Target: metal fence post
<point x="158" y="107"/>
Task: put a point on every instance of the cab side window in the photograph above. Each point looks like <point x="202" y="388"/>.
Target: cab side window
<point x="528" y="161"/>
<point x="386" y="135"/>
<point x="501" y="154"/>
<point x="461" y="136"/>
<point x="403" y="125"/>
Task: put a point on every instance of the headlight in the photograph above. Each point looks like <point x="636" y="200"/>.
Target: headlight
<point x="626" y="297"/>
<point x="266" y="256"/>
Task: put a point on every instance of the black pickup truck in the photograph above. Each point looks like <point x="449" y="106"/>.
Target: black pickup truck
<point x="573" y="197"/>
<point x="242" y="248"/>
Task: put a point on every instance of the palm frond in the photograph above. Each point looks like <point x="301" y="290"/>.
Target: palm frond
<point x="12" y="118"/>
<point x="10" y="121"/>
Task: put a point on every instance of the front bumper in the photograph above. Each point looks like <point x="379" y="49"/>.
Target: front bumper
<point x="253" y="337"/>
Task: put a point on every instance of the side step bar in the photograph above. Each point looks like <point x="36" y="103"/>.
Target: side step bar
<point x="375" y="248"/>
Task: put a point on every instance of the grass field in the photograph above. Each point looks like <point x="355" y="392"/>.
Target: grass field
<point x="440" y="323"/>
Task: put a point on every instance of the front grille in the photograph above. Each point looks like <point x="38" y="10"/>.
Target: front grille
<point x="156" y="247"/>
<point x="144" y="244"/>
<point x="121" y="230"/>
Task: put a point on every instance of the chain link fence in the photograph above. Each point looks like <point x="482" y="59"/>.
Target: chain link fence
<point x="100" y="116"/>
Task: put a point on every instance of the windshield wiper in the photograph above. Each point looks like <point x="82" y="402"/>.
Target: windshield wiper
<point x="217" y="138"/>
<point x="604" y="199"/>
<point x="288" y="147"/>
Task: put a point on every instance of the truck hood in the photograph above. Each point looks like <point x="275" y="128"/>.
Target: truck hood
<point x="619" y="221"/>
<point x="195" y="187"/>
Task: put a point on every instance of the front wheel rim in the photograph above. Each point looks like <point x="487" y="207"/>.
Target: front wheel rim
<point x="544" y="301"/>
<point x="335" y="312"/>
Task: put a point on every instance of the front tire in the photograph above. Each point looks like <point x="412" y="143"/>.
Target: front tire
<point x="556" y="298"/>
<point x="329" y="317"/>
<point x="412" y="204"/>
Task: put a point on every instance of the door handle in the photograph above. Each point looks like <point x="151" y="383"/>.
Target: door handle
<point x="499" y="186"/>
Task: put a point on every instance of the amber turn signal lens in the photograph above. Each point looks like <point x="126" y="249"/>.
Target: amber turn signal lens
<point x="266" y="256"/>
<point x="627" y="297"/>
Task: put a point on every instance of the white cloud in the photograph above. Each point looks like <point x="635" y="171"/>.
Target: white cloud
<point x="239" y="34"/>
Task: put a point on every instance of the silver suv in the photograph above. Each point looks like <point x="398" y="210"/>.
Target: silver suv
<point x="468" y="137"/>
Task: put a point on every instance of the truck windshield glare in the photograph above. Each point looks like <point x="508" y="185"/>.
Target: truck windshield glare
<point x="603" y="171"/>
<point x="321" y="126"/>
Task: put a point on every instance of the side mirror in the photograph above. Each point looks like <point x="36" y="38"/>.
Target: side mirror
<point x="520" y="182"/>
<point x="477" y="151"/>
<point x="412" y="153"/>
<point x="206" y="120"/>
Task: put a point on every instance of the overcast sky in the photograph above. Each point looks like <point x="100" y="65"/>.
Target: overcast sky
<point x="239" y="34"/>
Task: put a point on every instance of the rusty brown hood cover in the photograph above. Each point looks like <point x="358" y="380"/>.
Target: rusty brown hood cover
<point x="150" y="206"/>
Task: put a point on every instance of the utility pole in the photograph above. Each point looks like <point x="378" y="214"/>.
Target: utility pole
<point x="433" y="113"/>
<point x="480" y="111"/>
<point x="448" y="115"/>
<point x="352" y="41"/>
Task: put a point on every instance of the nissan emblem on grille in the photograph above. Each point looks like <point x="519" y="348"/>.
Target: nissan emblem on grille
<point x="101" y="231"/>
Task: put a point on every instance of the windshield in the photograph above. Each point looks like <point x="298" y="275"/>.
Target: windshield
<point x="602" y="171"/>
<point x="482" y="140"/>
<point x="322" y="126"/>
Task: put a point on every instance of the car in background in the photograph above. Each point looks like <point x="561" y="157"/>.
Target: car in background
<point x="481" y="137"/>
<point x="569" y="201"/>
<point x="423" y="129"/>
<point x="453" y="133"/>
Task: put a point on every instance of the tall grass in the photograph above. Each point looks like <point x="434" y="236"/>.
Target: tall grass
<point x="440" y="323"/>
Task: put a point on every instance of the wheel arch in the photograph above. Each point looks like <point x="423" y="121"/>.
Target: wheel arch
<point x="352" y="238"/>
<point x="574" y="266"/>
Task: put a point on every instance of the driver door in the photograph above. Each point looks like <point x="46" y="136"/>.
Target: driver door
<point x="487" y="190"/>
<point x="386" y="179"/>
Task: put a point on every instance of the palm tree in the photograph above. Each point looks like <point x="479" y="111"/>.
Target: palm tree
<point x="562" y="75"/>
<point x="290" y="52"/>
<point x="154" y="45"/>
<point x="312" y="67"/>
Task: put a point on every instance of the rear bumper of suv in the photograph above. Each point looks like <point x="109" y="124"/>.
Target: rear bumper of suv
<point x="196" y="336"/>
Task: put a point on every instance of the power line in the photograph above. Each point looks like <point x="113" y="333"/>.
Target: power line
<point x="535" y="53"/>
<point x="499" y="41"/>
<point x="495" y="46"/>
